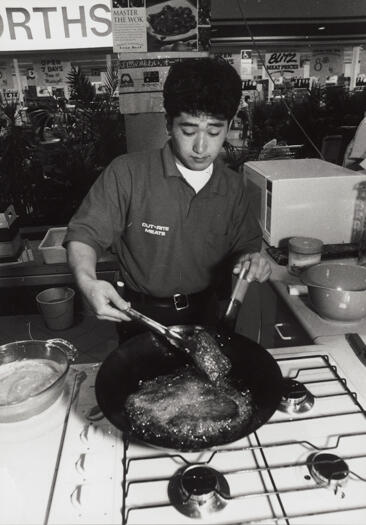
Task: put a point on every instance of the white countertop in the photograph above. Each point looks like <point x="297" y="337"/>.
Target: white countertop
<point x="314" y="325"/>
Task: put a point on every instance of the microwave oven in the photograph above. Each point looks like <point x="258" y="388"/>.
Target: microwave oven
<point x="304" y="197"/>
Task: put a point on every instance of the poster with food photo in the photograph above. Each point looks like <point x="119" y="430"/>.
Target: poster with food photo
<point x="172" y="25"/>
<point x="129" y="26"/>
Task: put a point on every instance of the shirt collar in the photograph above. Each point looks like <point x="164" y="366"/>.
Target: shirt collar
<point x="216" y="184"/>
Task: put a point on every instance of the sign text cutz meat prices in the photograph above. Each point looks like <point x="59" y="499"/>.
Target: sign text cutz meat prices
<point x="283" y="61"/>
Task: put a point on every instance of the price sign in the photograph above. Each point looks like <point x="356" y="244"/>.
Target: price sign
<point x="283" y="62"/>
<point x="248" y="85"/>
<point x="301" y="83"/>
<point x="326" y="62"/>
<point x="361" y="80"/>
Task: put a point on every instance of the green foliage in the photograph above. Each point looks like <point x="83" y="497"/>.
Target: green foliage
<point x="48" y="164"/>
<point x="318" y="114"/>
<point x="81" y="89"/>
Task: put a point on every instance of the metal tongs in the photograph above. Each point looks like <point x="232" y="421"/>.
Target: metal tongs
<point x="172" y="336"/>
<point x="201" y="347"/>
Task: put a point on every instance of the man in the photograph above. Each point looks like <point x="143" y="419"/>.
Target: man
<point x="175" y="217"/>
<point x="244" y="115"/>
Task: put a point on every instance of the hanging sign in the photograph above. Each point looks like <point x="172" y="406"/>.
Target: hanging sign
<point x="282" y="62"/>
<point x="129" y="26"/>
<point x="52" y="72"/>
<point x="177" y="26"/>
<point x="303" y="83"/>
<point x="51" y="24"/>
<point x="141" y="81"/>
<point x="326" y="62"/>
<point x="248" y="85"/>
<point x="141" y="84"/>
<point x="158" y="26"/>
<point x="246" y="64"/>
<point x="232" y="58"/>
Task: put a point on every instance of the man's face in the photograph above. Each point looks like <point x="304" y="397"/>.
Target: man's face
<point x="197" y="140"/>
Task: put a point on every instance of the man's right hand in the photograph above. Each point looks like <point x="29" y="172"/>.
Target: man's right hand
<point x="101" y="295"/>
<point x="104" y="299"/>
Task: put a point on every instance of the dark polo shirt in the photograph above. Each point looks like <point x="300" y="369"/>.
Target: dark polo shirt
<point x="168" y="239"/>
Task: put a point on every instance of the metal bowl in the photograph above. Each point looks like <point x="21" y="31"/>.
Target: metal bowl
<point x="56" y="351"/>
<point x="337" y="291"/>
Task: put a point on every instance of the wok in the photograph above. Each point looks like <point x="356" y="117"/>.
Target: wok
<point x="144" y="357"/>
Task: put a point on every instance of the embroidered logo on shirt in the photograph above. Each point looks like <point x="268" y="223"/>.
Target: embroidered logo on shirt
<point x="155" y="229"/>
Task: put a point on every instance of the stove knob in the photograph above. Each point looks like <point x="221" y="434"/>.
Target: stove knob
<point x="93" y="499"/>
<point x="95" y="466"/>
<point x="94" y="434"/>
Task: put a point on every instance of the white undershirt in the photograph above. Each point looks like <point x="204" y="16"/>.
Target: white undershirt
<point x="196" y="179"/>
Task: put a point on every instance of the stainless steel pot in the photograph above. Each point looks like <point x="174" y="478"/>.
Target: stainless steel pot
<point x="59" y="351"/>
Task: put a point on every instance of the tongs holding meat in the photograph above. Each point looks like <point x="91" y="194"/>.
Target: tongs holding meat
<point x="201" y="347"/>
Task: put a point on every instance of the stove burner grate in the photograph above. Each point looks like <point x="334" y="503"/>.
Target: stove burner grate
<point x="200" y="497"/>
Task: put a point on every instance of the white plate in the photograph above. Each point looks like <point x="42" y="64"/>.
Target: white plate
<point x="152" y="10"/>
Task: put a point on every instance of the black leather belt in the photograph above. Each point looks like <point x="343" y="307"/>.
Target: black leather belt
<point x="177" y="301"/>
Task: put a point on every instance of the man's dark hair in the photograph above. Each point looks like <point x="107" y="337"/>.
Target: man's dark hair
<point x="202" y="85"/>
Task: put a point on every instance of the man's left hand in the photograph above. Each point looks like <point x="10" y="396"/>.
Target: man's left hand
<point x="259" y="267"/>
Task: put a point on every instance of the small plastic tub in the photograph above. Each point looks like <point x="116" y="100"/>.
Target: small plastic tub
<point x="303" y="252"/>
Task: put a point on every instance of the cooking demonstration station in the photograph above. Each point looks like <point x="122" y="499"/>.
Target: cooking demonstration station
<point x="70" y="464"/>
<point x="183" y="262"/>
<point x="73" y="455"/>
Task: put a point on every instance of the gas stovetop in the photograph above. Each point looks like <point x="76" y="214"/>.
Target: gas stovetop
<point x="69" y="465"/>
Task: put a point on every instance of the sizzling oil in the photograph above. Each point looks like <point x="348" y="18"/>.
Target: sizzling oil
<point x="187" y="411"/>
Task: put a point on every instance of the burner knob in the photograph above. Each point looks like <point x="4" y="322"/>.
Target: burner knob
<point x="93" y="500"/>
<point x="296" y="398"/>
<point x="95" y="466"/>
<point x="96" y="435"/>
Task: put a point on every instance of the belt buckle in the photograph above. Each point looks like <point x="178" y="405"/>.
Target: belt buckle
<point x="180" y="301"/>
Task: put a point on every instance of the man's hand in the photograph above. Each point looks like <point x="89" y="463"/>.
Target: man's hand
<point x="101" y="295"/>
<point x="259" y="267"/>
<point x="105" y="300"/>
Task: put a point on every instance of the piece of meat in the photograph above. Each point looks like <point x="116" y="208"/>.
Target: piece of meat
<point x="186" y="410"/>
<point x="208" y="356"/>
